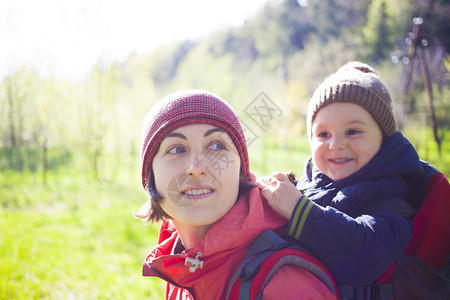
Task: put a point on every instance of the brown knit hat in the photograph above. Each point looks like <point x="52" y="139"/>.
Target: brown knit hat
<point x="186" y="108"/>
<point x="358" y="83"/>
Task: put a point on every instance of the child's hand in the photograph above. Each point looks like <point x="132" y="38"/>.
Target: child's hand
<point x="280" y="193"/>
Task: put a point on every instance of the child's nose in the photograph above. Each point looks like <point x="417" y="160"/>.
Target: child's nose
<point x="337" y="143"/>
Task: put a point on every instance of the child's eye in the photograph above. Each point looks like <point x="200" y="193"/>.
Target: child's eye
<point x="216" y="146"/>
<point x="176" y="150"/>
<point x="352" y="132"/>
<point x="323" y="135"/>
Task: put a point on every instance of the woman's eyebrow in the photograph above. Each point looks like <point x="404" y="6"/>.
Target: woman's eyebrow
<point x="211" y="131"/>
<point x="178" y="135"/>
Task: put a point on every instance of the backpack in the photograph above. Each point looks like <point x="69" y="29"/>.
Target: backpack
<point x="267" y="253"/>
<point x="423" y="270"/>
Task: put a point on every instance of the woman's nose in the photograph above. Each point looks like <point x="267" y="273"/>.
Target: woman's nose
<point x="196" y="166"/>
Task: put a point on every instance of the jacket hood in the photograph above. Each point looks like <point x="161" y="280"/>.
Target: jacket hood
<point x="221" y="250"/>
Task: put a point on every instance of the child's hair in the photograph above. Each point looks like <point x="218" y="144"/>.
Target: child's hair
<point x="180" y="109"/>
<point x="358" y="83"/>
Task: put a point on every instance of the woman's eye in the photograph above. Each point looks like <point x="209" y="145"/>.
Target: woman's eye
<point x="217" y="146"/>
<point x="176" y="150"/>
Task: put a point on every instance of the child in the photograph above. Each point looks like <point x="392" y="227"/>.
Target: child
<point x="362" y="184"/>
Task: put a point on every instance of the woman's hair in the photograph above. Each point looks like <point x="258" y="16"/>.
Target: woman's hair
<point x="152" y="211"/>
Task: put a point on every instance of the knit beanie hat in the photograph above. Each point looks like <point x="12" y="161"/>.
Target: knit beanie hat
<point x="358" y="83"/>
<point x="187" y="108"/>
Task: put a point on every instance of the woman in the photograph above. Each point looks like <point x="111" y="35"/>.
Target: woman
<point x="196" y="169"/>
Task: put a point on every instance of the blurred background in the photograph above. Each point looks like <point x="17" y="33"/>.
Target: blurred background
<point x="77" y="77"/>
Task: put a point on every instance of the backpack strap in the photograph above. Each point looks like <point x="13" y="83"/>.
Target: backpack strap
<point x="266" y="255"/>
<point x="264" y="245"/>
<point x="266" y="242"/>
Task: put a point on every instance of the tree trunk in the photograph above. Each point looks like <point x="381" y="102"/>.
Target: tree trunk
<point x="429" y="90"/>
<point x="407" y="82"/>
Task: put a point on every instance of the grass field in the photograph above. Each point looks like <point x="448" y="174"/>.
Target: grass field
<point x="74" y="237"/>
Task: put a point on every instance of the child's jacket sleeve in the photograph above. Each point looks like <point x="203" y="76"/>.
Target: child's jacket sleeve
<point x="356" y="250"/>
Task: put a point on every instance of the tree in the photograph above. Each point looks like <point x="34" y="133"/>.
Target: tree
<point x="326" y="21"/>
<point x="377" y="32"/>
<point x="98" y="117"/>
<point x="436" y="21"/>
<point x="18" y="114"/>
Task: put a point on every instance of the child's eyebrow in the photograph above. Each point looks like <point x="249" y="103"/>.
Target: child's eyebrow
<point x="357" y="121"/>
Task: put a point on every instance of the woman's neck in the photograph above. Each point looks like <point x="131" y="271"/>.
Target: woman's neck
<point x="191" y="235"/>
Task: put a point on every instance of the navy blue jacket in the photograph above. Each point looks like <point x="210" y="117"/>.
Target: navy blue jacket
<point x="359" y="225"/>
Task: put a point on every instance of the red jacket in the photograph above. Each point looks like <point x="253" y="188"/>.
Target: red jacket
<point x="222" y="250"/>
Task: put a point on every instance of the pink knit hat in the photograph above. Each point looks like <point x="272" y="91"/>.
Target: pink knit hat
<point x="186" y="108"/>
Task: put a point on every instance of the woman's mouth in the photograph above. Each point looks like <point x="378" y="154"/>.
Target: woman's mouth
<point x="196" y="192"/>
<point x="190" y="196"/>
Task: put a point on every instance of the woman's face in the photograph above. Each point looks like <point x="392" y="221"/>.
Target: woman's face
<point x="196" y="171"/>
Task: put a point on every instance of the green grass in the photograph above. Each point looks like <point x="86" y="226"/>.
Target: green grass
<point x="72" y="238"/>
<point x="275" y="154"/>
<point x="426" y="147"/>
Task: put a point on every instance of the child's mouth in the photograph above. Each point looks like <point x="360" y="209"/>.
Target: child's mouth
<point x="340" y="160"/>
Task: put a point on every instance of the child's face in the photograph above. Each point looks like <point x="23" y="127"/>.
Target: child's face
<point x="196" y="170"/>
<point x="345" y="137"/>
